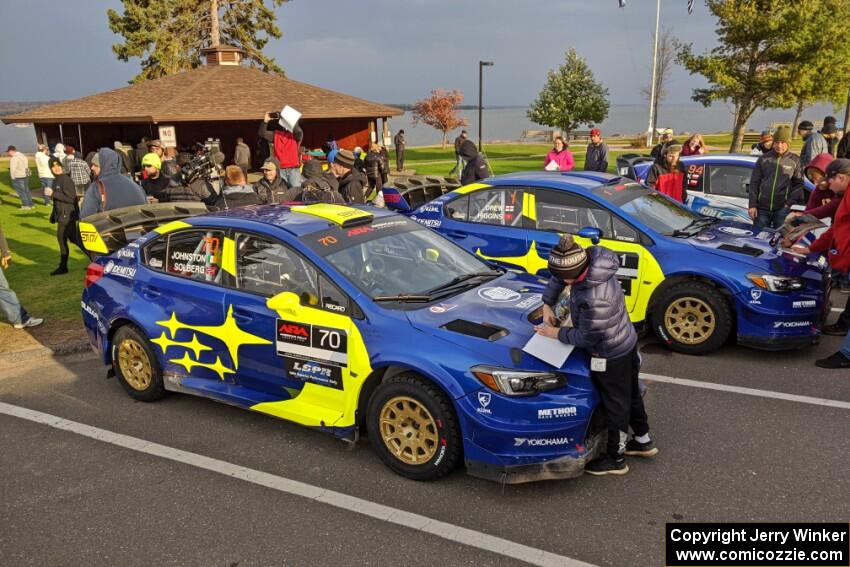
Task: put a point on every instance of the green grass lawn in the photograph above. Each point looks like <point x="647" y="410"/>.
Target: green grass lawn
<point x="35" y="253"/>
<point x="503" y="158"/>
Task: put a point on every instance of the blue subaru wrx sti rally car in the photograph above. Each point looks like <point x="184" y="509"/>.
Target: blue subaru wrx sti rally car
<point x="695" y="280"/>
<point x="341" y="318"/>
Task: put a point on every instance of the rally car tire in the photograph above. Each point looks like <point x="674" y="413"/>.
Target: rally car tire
<point x="136" y="365"/>
<point x="692" y="318"/>
<point x="416" y="418"/>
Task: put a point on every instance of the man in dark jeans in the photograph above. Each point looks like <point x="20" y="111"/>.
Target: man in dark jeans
<point x="600" y="324"/>
<point x="776" y="183"/>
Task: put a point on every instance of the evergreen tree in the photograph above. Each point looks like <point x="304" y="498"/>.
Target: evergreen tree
<point x="168" y="35"/>
<point x="768" y="55"/>
<point x="570" y="97"/>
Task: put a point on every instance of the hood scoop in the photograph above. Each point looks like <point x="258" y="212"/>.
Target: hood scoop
<point x="748" y="250"/>
<point x="478" y="330"/>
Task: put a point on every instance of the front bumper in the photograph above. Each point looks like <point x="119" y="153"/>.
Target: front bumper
<point x="779" y="343"/>
<point x="567" y="466"/>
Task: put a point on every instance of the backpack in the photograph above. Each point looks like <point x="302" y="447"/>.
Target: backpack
<point x="318" y="190"/>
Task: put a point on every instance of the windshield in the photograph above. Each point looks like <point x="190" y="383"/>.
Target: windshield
<point x="648" y="206"/>
<point x="414" y="263"/>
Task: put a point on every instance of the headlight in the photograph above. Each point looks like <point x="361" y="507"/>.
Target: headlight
<point x="518" y="382"/>
<point x="776" y="283"/>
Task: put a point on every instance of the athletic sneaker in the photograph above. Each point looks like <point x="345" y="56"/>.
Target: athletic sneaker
<point x="31" y="322"/>
<point x="837" y="360"/>
<point x="637" y="449"/>
<point x="606" y="465"/>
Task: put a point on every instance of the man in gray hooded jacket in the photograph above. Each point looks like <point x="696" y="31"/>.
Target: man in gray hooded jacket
<point x="110" y="190"/>
<point x="600" y="325"/>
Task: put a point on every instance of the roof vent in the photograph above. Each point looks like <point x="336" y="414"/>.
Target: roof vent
<point x="223" y="55"/>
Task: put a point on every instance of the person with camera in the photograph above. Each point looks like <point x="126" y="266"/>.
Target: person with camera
<point x="110" y="190"/>
<point x="283" y="145"/>
<point x="600" y="324"/>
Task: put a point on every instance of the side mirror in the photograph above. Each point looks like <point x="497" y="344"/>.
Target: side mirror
<point x="285" y="302"/>
<point x="594" y="234"/>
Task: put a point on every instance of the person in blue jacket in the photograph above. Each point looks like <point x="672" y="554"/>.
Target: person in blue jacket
<point x="598" y="322"/>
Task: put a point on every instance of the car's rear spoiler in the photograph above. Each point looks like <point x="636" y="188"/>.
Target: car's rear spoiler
<point x="408" y="193"/>
<point x="106" y="232"/>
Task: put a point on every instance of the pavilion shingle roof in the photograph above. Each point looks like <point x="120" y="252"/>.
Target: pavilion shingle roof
<point x="221" y="92"/>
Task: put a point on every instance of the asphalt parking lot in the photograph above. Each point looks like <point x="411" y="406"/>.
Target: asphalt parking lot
<point x="749" y="436"/>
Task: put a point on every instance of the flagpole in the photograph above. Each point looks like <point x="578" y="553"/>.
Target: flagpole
<point x="650" y="131"/>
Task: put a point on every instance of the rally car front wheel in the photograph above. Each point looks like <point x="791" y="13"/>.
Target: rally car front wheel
<point x="692" y="318"/>
<point x="136" y="365"/>
<point x="413" y="428"/>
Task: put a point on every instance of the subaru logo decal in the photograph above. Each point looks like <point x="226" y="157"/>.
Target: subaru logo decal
<point x="484" y="399"/>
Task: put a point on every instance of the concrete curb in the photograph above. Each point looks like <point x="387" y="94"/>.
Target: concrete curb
<point x="30" y="354"/>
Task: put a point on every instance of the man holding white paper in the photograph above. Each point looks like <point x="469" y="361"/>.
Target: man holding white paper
<point x="284" y="136"/>
<point x="600" y="324"/>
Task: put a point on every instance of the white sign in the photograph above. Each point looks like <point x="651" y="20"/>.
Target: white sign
<point x="168" y="136"/>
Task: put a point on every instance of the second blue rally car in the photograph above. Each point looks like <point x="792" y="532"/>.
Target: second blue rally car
<point x="696" y="280"/>
<point x="338" y="318"/>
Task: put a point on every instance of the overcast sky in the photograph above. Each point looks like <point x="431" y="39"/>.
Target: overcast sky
<point x="392" y="51"/>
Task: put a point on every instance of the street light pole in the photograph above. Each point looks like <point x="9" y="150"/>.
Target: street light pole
<point x="481" y="65"/>
<point x="650" y="131"/>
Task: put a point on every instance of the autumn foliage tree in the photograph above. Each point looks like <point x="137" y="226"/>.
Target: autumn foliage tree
<point x="440" y="111"/>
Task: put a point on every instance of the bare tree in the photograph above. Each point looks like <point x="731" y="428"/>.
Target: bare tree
<point x="667" y="49"/>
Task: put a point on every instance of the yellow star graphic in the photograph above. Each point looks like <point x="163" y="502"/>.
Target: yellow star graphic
<point x="228" y="332"/>
<point x="173" y="325"/>
<point x="194" y="345"/>
<point x="188" y="363"/>
<point x="531" y="260"/>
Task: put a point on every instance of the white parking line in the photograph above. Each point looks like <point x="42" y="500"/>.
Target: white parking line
<point x="402" y="518"/>
<point x="747" y="391"/>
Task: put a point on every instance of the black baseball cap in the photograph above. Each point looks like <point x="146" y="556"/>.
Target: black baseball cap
<point x="54" y="161"/>
<point x="836" y="166"/>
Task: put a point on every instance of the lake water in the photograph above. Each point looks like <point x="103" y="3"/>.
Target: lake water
<point x="508" y="123"/>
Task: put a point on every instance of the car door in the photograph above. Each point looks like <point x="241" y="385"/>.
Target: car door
<point x="730" y="183"/>
<point x="302" y="370"/>
<point x="179" y="302"/>
<point x="489" y="222"/>
<point x="560" y="212"/>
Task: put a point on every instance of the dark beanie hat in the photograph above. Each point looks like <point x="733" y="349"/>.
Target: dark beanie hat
<point x="805" y="125"/>
<point x="344" y="158"/>
<point x="311" y="168"/>
<point x="567" y="260"/>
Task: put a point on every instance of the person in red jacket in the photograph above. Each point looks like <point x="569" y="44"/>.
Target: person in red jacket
<point x="836" y="243"/>
<point x="667" y="175"/>
<point x="283" y="146"/>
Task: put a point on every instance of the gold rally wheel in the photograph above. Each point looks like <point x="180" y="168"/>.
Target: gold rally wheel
<point x="690" y="320"/>
<point x="413" y="427"/>
<point x="692" y="317"/>
<point x="136" y="365"/>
